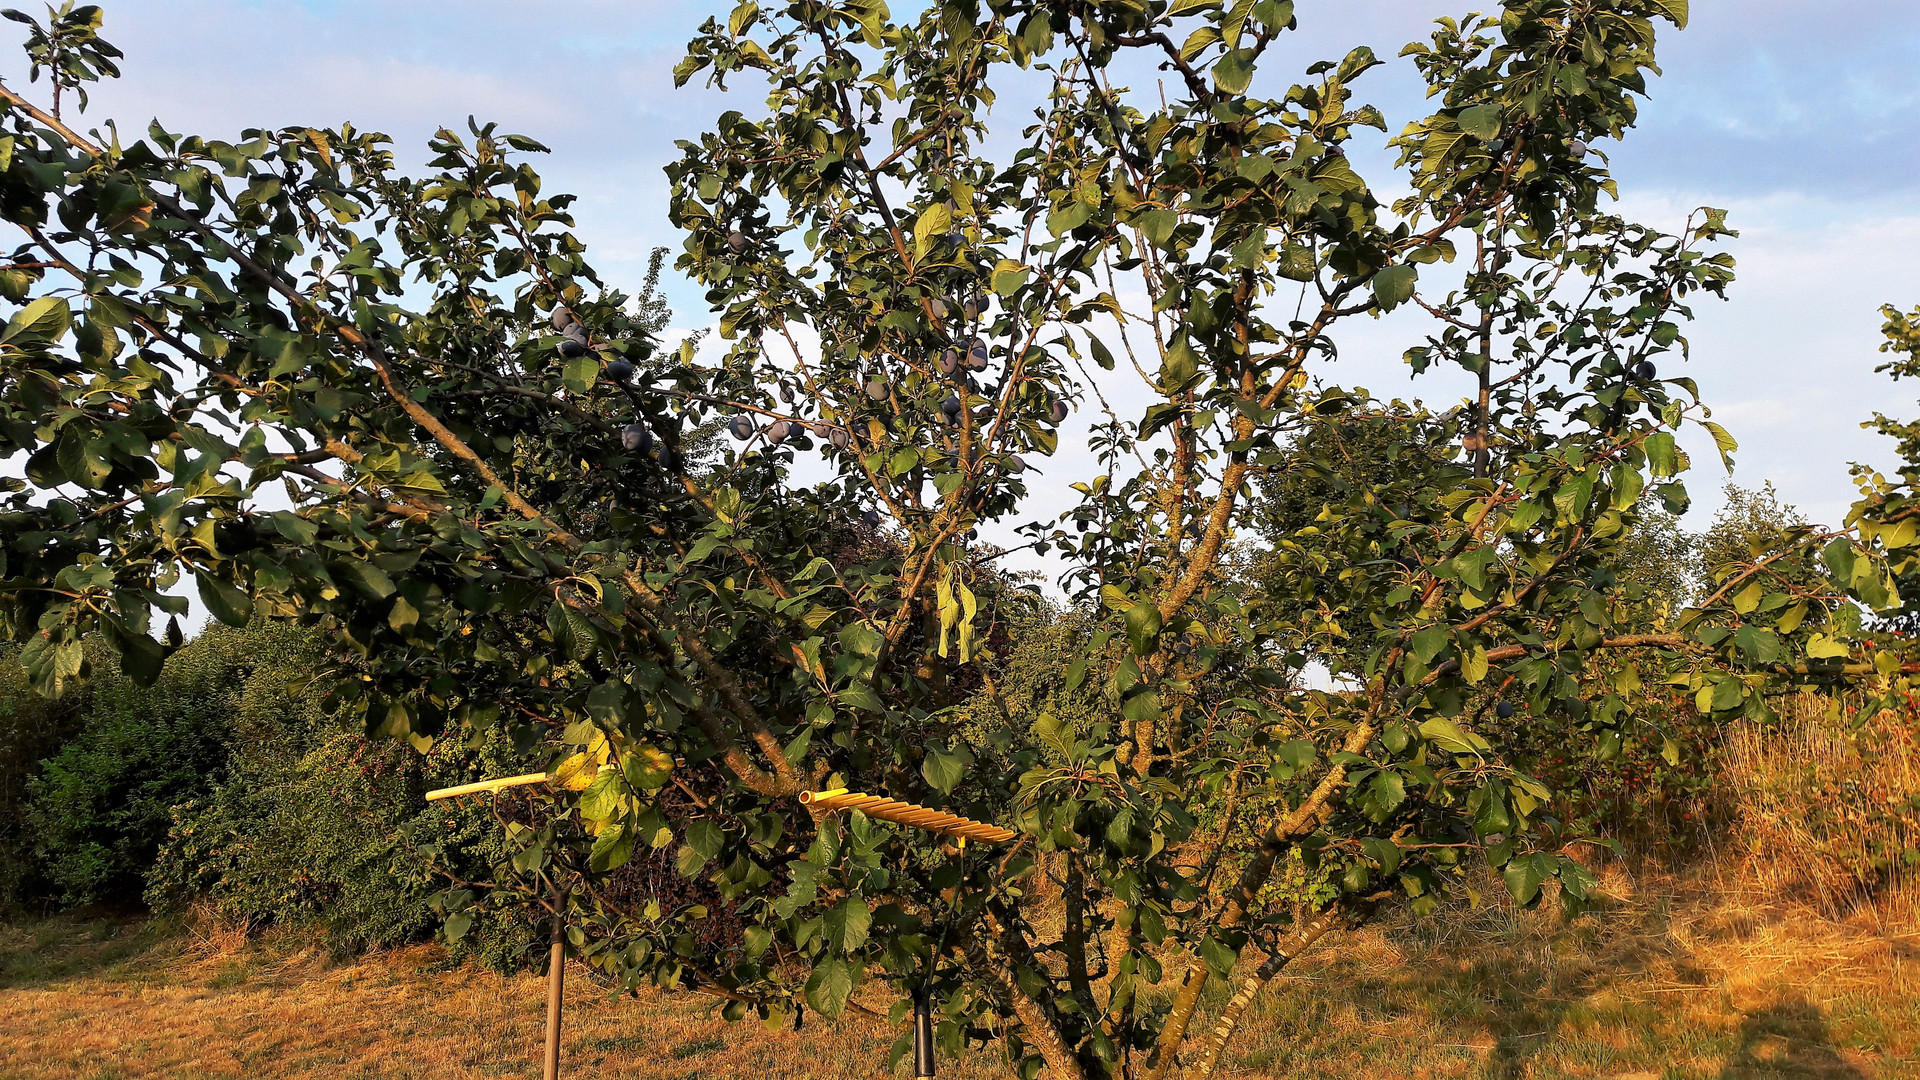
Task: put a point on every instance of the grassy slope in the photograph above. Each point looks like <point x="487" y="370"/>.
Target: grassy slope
<point x="1673" y="983"/>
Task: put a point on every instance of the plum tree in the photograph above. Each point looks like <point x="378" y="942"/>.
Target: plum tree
<point x="214" y="369"/>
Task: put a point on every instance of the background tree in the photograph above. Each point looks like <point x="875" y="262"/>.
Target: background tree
<point x="480" y="488"/>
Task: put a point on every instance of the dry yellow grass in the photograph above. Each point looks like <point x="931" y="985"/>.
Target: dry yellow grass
<point x="98" y="1001"/>
<point x="1678" y="980"/>
<point x="1828" y="808"/>
<point x="1668" y="980"/>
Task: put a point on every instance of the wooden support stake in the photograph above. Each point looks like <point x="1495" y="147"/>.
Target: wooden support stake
<point x="556" y="979"/>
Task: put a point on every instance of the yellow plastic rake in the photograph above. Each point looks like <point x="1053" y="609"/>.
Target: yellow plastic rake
<point x="904" y="813"/>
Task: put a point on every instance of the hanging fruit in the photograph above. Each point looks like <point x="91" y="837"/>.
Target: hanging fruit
<point x="977" y="355"/>
<point x="636" y="438"/>
<point x="741" y="427"/>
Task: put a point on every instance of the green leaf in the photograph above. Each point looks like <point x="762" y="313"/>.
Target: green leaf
<point x="1394" y="285"/>
<point x="611" y="850"/>
<point x="1759" y="644"/>
<point x="647" y="768"/>
<point x="1384" y="795"/>
<point x="1675" y="10"/>
<point x="944" y="769"/>
<point x="1142" y="705"/>
<point x="1429" y="643"/>
<point x="830" y="984"/>
<point x="46" y="318"/>
<point x="607" y="702"/>
<point x="602" y="797"/>
<point x="1722" y="442"/>
<point x="847" y="924"/>
<point x="1523" y="880"/>
<point x="1482" y="121"/>
<point x="1143" y="628"/>
<point x="227" y="603"/>
<point x="402" y="616"/>
<point x="1158" y="226"/>
<point x="1179" y="367"/>
<point x="1297" y="263"/>
<point x="1661" y="455"/>
<point x="1008" y="277"/>
<point x="1728" y="694"/>
<point x="1448" y="736"/>
<point x="1839" y="557"/>
<point x="1627" y="485"/>
<point x="1473" y="666"/>
<point x="580" y="373"/>
<point x="457" y="926"/>
<point x="861" y="696"/>
<point x="370" y="578"/>
<point x="1218" y="956"/>
<point x="1384" y="852"/>
<point x="1233" y="71"/>
<point x="705" y="837"/>
<point x="141" y="657"/>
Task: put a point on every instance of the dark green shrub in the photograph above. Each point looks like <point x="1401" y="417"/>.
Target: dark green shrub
<point x="98" y="809"/>
<point x="313" y="824"/>
<point x="31" y="728"/>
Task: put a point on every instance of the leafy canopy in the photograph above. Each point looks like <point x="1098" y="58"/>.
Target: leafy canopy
<point x="407" y="411"/>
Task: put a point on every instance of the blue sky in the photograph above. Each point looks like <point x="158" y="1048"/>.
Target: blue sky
<point x="1801" y="118"/>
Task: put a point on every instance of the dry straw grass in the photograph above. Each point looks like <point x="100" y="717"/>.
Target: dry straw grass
<point x="1827" y="806"/>
<point x="1674" y="977"/>
<point x="105" y="1001"/>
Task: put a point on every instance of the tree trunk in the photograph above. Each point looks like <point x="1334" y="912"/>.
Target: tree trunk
<point x="1230" y="1016"/>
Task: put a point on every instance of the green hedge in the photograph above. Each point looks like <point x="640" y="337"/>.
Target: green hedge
<point x="227" y="783"/>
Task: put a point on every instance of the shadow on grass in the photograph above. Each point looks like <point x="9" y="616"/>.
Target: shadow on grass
<point x="56" y="949"/>
<point x="1790" y="1038"/>
<point x="1507" y="995"/>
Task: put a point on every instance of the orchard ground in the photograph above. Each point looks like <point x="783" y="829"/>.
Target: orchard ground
<point x="1671" y="978"/>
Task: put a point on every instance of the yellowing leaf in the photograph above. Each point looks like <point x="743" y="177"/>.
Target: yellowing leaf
<point x="934" y="222"/>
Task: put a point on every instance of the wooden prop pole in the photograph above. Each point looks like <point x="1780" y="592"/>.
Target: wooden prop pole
<point x="556" y="979"/>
